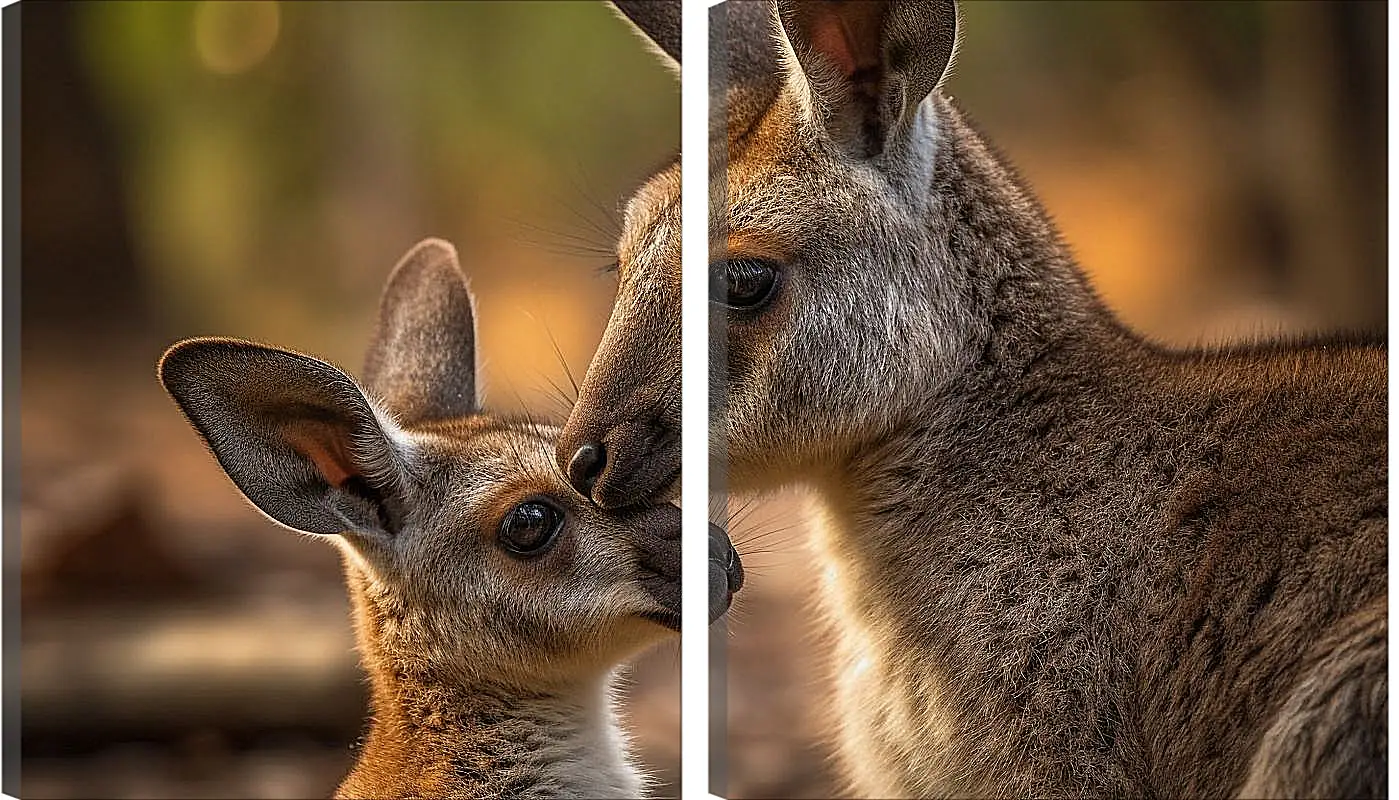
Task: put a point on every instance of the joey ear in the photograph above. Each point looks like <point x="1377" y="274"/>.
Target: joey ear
<point x="864" y="66"/>
<point x="422" y="362"/>
<point x="294" y="433"/>
<point x="658" y="21"/>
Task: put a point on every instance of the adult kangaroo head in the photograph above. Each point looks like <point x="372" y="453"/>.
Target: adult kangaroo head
<point x="621" y="444"/>
<point x="830" y="284"/>
<point x="830" y="156"/>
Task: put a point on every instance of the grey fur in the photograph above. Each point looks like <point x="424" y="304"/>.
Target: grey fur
<point x="264" y="411"/>
<point x="633" y="414"/>
<point x="491" y="675"/>
<point x="1064" y="562"/>
<point x="423" y="358"/>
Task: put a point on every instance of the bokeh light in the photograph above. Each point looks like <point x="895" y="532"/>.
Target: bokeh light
<point x="233" y="36"/>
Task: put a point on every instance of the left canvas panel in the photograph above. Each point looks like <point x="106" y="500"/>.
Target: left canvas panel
<point x="352" y="557"/>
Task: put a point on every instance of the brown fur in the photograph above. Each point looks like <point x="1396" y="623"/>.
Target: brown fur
<point x="1061" y="561"/>
<point x="490" y="668"/>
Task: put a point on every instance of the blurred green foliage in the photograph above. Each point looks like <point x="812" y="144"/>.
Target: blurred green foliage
<point x="286" y="185"/>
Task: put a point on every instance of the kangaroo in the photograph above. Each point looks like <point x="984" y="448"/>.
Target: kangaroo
<point x="622" y="440"/>
<point x="492" y="605"/>
<point x="1060" y="560"/>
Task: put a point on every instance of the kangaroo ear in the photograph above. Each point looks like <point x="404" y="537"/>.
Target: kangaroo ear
<point x="422" y="362"/>
<point x="294" y="433"/>
<point x="863" y="67"/>
<point x="658" y="21"/>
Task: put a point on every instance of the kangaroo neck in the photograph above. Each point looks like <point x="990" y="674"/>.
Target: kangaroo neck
<point x="1033" y="332"/>
<point x="1025" y="297"/>
<point x="1022" y="311"/>
<point x="437" y="735"/>
<point x="436" y="740"/>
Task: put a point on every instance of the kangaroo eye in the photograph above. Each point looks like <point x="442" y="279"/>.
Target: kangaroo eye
<point x="530" y="528"/>
<point x="742" y="283"/>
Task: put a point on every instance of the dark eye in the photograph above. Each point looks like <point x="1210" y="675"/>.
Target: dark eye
<point x="530" y="528"/>
<point x="742" y="283"/>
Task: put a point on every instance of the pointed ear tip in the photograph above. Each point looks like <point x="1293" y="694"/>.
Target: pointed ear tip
<point x="179" y="356"/>
<point x="168" y="364"/>
<point x="432" y="250"/>
<point x="430" y="262"/>
<point x="426" y="257"/>
<point x="658" y="21"/>
<point x="184" y="366"/>
<point x="187" y="356"/>
<point x="172" y="352"/>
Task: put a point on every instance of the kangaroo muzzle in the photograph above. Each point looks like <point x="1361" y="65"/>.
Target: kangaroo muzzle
<point x="725" y="572"/>
<point x="633" y="463"/>
<point x="659" y="550"/>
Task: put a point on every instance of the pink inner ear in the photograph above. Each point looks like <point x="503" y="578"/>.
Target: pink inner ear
<point x="320" y="443"/>
<point x="828" y="37"/>
<point x="846" y="33"/>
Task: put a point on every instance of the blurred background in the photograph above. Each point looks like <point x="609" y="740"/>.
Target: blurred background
<point x="255" y="170"/>
<point x="1220" y="170"/>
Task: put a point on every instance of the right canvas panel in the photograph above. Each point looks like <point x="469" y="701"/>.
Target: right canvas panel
<point x="1048" y="398"/>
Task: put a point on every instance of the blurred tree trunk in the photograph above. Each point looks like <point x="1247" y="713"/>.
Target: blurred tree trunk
<point x="79" y="284"/>
<point x="1327" y="54"/>
<point x="1307" y="191"/>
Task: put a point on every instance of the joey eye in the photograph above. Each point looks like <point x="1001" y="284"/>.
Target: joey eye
<point x="530" y="528"/>
<point x="742" y="283"/>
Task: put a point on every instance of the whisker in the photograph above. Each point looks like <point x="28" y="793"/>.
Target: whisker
<point x="580" y="182"/>
<point x="604" y="231"/>
<point x="717" y="512"/>
<point x="746" y="553"/>
<point x="739" y="516"/>
<point x="563" y="362"/>
<point x="558" y="352"/>
<point x="569" y="401"/>
<point x="765" y="534"/>
<point x="561" y="242"/>
<point x="759" y="570"/>
<point x="534" y="423"/>
<point x="584" y="229"/>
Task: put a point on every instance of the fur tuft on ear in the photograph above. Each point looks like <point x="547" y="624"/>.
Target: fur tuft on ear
<point x="659" y="22"/>
<point x="861" y="68"/>
<point x="422" y="362"/>
<point x="295" y="434"/>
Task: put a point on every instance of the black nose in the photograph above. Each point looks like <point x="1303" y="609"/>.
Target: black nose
<point x="586" y="464"/>
<point x="725" y="572"/>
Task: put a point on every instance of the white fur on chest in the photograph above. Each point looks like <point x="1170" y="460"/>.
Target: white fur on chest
<point x="893" y="730"/>
<point x="594" y="761"/>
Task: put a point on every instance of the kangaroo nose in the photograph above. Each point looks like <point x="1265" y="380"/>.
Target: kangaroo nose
<point x="586" y="464"/>
<point x="725" y="572"/>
